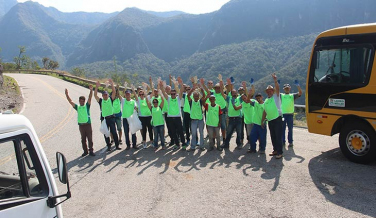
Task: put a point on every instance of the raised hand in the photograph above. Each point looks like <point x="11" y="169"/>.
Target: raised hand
<point x="180" y="80"/>
<point x="220" y="77"/>
<point x="244" y="84"/>
<point x="202" y="80"/>
<point x="110" y="81"/>
<point x="274" y="77"/>
<point x="90" y="87"/>
<point x="228" y="80"/>
<point x="97" y="84"/>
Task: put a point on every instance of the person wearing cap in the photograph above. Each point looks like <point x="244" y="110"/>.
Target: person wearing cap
<point x="117" y="112"/>
<point x="107" y="113"/>
<point x="220" y="99"/>
<point x="197" y="117"/>
<point x="174" y="114"/>
<point x="247" y="110"/>
<point x="157" y="121"/>
<point x="258" y="131"/>
<point x="273" y="114"/>
<point x="144" y="114"/>
<point x="288" y="101"/>
<point x="186" y="113"/>
<point x="213" y="122"/>
<point x="235" y="118"/>
<point x="241" y="92"/>
<point x="128" y="106"/>
<point x="84" y="121"/>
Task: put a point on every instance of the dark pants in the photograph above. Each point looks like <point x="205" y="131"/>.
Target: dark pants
<point x="258" y="132"/>
<point x="289" y="122"/>
<point x="126" y="133"/>
<point x="234" y="123"/>
<point x="177" y="130"/>
<point x="146" y="125"/>
<point x="86" y="132"/>
<point x="167" y="120"/>
<point x="275" y="128"/>
<point x="242" y="129"/>
<point x="187" y="125"/>
<point x="110" y="121"/>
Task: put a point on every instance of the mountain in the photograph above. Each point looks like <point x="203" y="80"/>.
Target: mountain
<point x="84" y="18"/>
<point x="6" y="5"/>
<point x="166" y="14"/>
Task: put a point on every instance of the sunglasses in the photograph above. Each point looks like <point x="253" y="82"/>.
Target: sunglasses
<point x="141" y="94"/>
<point x="173" y="93"/>
<point x="155" y="102"/>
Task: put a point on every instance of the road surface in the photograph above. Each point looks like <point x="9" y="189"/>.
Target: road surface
<point x="312" y="180"/>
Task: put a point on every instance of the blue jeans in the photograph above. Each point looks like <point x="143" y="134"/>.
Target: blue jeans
<point x="234" y="123"/>
<point x="126" y="133"/>
<point x="289" y="121"/>
<point x="258" y="132"/>
<point x="158" y="132"/>
<point x="200" y="125"/>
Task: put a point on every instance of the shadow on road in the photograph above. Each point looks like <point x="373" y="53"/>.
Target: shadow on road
<point x="346" y="184"/>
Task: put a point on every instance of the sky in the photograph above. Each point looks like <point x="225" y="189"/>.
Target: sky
<point x="108" y="6"/>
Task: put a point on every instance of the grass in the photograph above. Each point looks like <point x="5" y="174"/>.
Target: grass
<point x="10" y="83"/>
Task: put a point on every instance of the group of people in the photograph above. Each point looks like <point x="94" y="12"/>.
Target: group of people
<point x="185" y="110"/>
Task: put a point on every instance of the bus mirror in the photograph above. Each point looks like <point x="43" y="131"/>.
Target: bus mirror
<point x="61" y="167"/>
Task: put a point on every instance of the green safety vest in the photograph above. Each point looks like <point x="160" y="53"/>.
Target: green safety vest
<point x="271" y="109"/>
<point x="83" y="114"/>
<point x="107" y="108"/>
<point x="117" y="106"/>
<point x="212" y="116"/>
<point x="196" y="110"/>
<point x="248" y="112"/>
<point x="157" y="116"/>
<point x="128" y="108"/>
<point x="287" y="103"/>
<point x="186" y="107"/>
<point x="220" y="100"/>
<point x="258" y="111"/>
<point x="231" y="110"/>
<point x="144" y="110"/>
<point x="173" y="107"/>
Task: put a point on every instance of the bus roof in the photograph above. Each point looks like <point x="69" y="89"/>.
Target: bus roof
<point x="350" y="30"/>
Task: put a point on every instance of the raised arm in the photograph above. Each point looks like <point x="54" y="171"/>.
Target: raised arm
<point x="190" y="92"/>
<point x="134" y="93"/>
<point x="251" y="92"/>
<point x="162" y="99"/>
<point x="96" y="91"/>
<point x="180" y="81"/>
<point x="163" y="90"/>
<point x="300" y="92"/>
<point x="68" y="98"/>
<point x="148" y="102"/>
<point x="221" y="87"/>
<point x="235" y="107"/>
<point x="276" y="84"/>
<point x="244" y="85"/>
<point x="229" y="85"/>
<point x="90" y="95"/>
<point x="113" y="94"/>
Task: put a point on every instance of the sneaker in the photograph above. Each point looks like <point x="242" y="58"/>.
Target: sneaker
<point x="198" y="144"/>
<point x="155" y="148"/>
<point x="184" y="146"/>
<point x="202" y="149"/>
<point x="239" y="147"/>
<point x="108" y="148"/>
<point x="261" y="151"/>
<point x="176" y="147"/>
<point x="84" y="154"/>
<point x="112" y="142"/>
<point x="135" y="147"/>
<point x="91" y="154"/>
<point x="120" y="142"/>
<point x="145" y="145"/>
<point x="128" y="147"/>
<point x="273" y="153"/>
<point x="251" y="151"/>
<point x="191" y="149"/>
<point x="188" y="142"/>
<point x="291" y="145"/>
<point x="170" y="144"/>
<point x="278" y="156"/>
<point x="118" y="148"/>
<point x="163" y="147"/>
<point x="220" y="149"/>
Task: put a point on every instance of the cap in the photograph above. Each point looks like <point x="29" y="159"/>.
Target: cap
<point x="286" y="86"/>
<point x="240" y="88"/>
<point x="269" y="87"/>
<point x="127" y="91"/>
<point x="104" y="93"/>
<point x="212" y="96"/>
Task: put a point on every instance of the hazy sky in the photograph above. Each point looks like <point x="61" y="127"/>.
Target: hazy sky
<point x="188" y="6"/>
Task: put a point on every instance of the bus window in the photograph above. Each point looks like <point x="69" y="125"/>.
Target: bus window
<point x="349" y="65"/>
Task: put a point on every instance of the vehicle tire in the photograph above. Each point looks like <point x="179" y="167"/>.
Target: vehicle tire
<point x="358" y="143"/>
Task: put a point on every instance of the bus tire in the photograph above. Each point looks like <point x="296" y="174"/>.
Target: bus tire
<point x="358" y="143"/>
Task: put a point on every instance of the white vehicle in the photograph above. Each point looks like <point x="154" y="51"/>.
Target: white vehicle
<point x="27" y="185"/>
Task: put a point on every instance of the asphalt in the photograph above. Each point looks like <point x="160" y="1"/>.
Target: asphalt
<point x="312" y="180"/>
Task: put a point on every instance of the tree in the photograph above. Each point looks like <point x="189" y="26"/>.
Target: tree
<point x="45" y="61"/>
<point x="80" y="72"/>
<point x="52" y="65"/>
<point x="20" y="59"/>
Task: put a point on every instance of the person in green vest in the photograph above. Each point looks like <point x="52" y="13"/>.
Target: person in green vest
<point x="174" y="113"/>
<point x="213" y="122"/>
<point x="157" y="121"/>
<point x="197" y="117"/>
<point x="128" y="106"/>
<point x="220" y="99"/>
<point x="273" y="114"/>
<point x="288" y="101"/>
<point x="235" y="119"/>
<point x="107" y="113"/>
<point x="258" y="131"/>
<point x="186" y="113"/>
<point x="247" y="110"/>
<point x="84" y="121"/>
<point x="117" y="112"/>
<point x="144" y="114"/>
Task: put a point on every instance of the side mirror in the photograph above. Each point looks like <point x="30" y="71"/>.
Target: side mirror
<point x="62" y="167"/>
<point x="63" y="177"/>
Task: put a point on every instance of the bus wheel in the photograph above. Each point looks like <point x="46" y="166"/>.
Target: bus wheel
<point x="358" y="143"/>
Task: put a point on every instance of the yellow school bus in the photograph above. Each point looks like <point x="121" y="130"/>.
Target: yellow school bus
<point x="341" y="89"/>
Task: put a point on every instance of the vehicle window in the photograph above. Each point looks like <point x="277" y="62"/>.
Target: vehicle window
<point x="10" y="179"/>
<point x="350" y="65"/>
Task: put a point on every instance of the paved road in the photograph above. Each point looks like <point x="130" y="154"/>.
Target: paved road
<point x="312" y="180"/>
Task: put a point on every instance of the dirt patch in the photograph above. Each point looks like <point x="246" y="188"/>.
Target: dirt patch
<point x="10" y="96"/>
